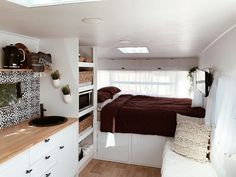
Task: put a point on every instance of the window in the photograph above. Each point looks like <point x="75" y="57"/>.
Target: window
<point x="153" y="83"/>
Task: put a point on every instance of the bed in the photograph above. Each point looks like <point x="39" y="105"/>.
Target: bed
<point x="148" y="115"/>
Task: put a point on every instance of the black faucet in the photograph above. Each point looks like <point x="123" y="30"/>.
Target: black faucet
<point x="42" y="111"/>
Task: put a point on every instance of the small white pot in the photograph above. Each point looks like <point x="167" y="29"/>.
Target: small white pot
<point x="56" y="83"/>
<point x="67" y="98"/>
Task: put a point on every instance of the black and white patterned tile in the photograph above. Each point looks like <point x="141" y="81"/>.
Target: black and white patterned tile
<point x="29" y="104"/>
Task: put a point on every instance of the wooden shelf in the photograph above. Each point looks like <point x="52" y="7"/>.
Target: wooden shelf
<point x="86" y="88"/>
<point x="85" y="133"/>
<point x="86" y="64"/>
<point x="89" y="135"/>
<point x="86" y="111"/>
<point x="15" y="70"/>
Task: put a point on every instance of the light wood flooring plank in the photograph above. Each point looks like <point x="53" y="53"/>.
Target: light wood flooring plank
<point x="98" y="168"/>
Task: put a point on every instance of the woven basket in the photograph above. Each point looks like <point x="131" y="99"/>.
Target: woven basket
<point x="83" y="59"/>
<point x="84" y="124"/>
<point x="85" y="76"/>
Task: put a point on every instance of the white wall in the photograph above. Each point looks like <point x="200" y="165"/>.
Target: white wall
<point x="7" y="38"/>
<point x="65" y="58"/>
<point x="151" y="64"/>
<point x="221" y="54"/>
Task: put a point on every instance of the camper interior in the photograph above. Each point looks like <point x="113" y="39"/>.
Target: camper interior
<point x="117" y="88"/>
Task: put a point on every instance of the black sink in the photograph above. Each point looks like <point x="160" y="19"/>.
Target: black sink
<point x="48" y="121"/>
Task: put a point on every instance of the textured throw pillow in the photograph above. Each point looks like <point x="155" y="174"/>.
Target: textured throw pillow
<point x="192" y="140"/>
<point x="112" y="90"/>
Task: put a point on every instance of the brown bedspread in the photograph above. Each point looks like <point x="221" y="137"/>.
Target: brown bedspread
<point x="146" y="115"/>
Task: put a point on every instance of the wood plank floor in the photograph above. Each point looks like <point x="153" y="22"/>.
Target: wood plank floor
<point x="98" y="168"/>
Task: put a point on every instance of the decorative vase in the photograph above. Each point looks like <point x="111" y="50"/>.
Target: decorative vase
<point x="67" y="98"/>
<point x="56" y="83"/>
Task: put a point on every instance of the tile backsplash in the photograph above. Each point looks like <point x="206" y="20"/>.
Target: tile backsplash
<point x="29" y="104"/>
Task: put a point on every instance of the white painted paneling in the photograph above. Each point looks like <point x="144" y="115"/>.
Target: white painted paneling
<point x="7" y="38"/>
<point x="180" y="28"/>
<point x="65" y="59"/>
<point x="221" y="54"/>
<point x="147" y="150"/>
<point x="151" y="64"/>
<point x="113" y="146"/>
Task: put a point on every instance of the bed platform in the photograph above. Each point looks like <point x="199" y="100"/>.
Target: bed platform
<point x="146" y="115"/>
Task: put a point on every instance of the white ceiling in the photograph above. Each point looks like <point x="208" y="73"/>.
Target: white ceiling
<point x="169" y="28"/>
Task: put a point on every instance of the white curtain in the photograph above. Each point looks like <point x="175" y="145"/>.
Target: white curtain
<point x="221" y="113"/>
<point x="155" y="83"/>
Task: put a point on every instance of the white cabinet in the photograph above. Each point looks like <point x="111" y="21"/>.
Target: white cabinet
<point x="113" y="146"/>
<point x="56" y="156"/>
<point x="131" y="148"/>
<point x="16" y="166"/>
<point x="67" y="152"/>
<point x="147" y="149"/>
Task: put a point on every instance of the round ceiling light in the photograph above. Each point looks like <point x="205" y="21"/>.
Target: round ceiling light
<point x="125" y="41"/>
<point x="92" y="20"/>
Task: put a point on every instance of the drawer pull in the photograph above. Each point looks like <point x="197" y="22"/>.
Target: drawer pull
<point x="48" y="174"/>
<point x="29" y="171"/>
<point x="47" y="140"/>
<point x="47" y="157"/>
<point x="62" y="147"/>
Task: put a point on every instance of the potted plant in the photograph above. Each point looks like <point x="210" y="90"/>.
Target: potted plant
<point x="55" y="78"/>
<point x="66" y="94"/>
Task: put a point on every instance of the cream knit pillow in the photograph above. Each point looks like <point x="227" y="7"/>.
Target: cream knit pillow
<point x="192" y="140"/>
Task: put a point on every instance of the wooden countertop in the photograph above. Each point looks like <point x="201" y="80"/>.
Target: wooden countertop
<point x="18" y="138"/>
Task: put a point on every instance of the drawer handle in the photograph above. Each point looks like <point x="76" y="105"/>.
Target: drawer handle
<point x="29" y="171"/>
<point x="47" y="157"/>
<point x="62" y="147"/>
<point x="48" y="174"/>
<point x="47" y="140"/>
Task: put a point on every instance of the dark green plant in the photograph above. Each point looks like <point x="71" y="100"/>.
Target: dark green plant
<point x="66" y="90"/>
<point x="191" y="77"/>
<point x="55" y="75"/>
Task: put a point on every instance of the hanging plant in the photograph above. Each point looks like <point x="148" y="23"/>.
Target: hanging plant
<point x="191" y="77"/>
<point x="66" y="90"/>
<point x="55" y="75"/>
<point x="66" y="94"/>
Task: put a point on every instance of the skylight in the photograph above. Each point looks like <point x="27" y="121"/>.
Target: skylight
<point x="133" y="49"/>
<point x="36" y="3"/>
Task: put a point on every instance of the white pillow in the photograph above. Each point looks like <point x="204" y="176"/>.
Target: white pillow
<point x="192" y="119"/>
<point x="192" y="140"/>
<point x="198" y="99"/>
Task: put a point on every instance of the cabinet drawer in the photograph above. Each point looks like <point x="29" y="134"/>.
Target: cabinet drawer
<point x="51" y="172"/>
<point x="16" y="166"/>
<point x="43" y="164"/>
<point x="42" y="148"/>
